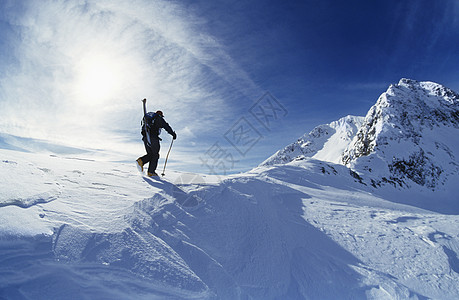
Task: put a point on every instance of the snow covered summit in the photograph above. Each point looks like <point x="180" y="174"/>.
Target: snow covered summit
<point x="325" y="142"/>
<point x="409" y="136"/>
<point x="406" y="138"/>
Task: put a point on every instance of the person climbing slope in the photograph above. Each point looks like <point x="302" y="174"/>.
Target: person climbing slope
<point x="152" y="123"/>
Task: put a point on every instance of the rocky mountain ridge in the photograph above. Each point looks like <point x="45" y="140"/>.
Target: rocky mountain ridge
<point x="409" y="137"/>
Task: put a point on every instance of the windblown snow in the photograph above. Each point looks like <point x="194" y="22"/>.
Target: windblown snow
<point x="351" y="210"/>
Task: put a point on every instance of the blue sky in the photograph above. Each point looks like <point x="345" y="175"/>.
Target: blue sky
<point x="74" y="72"/>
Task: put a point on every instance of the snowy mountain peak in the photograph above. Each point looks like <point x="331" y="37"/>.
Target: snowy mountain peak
<point x="435" y="89"/>
<point x="407" y="135"/>
<point x="424" y="93"/>
<point x="325" y="142"/>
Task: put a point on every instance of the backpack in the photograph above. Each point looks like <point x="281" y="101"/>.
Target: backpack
<point x="147" y="124"/>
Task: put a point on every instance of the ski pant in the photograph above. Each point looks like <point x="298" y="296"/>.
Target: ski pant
<point x="152" y="155"/>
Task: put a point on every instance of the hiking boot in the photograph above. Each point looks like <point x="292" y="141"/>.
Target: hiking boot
<point x="152" y="174"/>
<point x="139" y="164"/>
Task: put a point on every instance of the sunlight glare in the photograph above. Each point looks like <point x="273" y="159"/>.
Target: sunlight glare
<point x="98" y="79"/>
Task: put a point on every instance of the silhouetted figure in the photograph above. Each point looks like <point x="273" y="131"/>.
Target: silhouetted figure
<point x="151" y="129"/>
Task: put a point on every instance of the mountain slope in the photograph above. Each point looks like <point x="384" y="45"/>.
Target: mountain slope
<point x="325" y="142"/>
<point x="303" y="230"/>
<point x="409" y="136"/>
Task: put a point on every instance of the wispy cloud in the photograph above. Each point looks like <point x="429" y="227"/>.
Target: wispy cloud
<point x="80" y="69"/>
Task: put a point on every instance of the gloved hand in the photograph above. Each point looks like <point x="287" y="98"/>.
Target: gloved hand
<point x="174" y="135"/>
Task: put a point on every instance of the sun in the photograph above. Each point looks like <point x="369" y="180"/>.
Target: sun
<point x="98" y="78"/>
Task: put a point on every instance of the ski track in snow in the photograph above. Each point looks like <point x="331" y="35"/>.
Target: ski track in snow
<point x="72" y="228"/>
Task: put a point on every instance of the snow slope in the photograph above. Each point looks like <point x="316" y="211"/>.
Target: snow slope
<point x="325" y="218"/>
<point x="325" y="142"/>
<point x="80" y="229"/>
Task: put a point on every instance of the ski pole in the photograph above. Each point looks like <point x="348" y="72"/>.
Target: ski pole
<point x="167" y="156"/>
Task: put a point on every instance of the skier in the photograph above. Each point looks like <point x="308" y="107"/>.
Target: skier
<point x="151" y="128"/>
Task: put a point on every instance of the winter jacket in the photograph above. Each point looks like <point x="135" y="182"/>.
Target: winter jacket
<point x="155" y="129"/>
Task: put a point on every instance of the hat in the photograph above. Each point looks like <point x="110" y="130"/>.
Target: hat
<point x="160" y="113"/>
